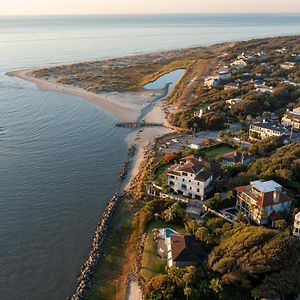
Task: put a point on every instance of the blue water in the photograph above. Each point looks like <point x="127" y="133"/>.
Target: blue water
<point x="59" y="155"/>
<point x="162" y="81"/>
<point x="170" y="232"/>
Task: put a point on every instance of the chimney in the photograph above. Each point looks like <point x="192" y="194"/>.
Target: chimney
<point x="276" y="195"/>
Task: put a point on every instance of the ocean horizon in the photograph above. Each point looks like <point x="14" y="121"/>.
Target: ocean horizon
<point x="59" y="155"/>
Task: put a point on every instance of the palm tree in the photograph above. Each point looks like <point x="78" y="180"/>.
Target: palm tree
<point x="240" y="217"/>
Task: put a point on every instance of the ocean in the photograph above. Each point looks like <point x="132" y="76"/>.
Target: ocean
<point x="59" y="155"/>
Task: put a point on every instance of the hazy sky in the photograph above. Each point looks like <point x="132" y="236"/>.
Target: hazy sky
<point x="32" y="7"/>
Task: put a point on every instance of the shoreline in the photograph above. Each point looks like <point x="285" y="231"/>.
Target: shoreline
<point x="141" y="138"/>
<point x="125" y="107"/>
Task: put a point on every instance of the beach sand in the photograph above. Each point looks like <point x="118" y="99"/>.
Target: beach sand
<point x="125" y="107"/>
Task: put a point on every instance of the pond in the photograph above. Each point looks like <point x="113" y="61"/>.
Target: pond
<point x="170" y="79"/>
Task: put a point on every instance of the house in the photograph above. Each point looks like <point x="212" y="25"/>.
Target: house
<point x="195" y="146"/>
<point x="190" y="178"/>
<point x="245" y="57"/>
<point x="288" y="65"/>
<point x="263" y="130"/>
<point x="223" y="75"/>
<point x="263" y="89"/>
<point x="212" y="81"/>
<point x="231" y="86"/>
<point x="184" y="251"/>
<point x="201" y="112"/>
<point x="292" y="118"/>
<point x="296" y="230"/>
<point x="235" y="157"/>
<point x="295" y="57"/>
<point x="234" y="101"/>
<point x="261" y="54"/>
<point x="263" y="202"/>
<point x="239" y="64"/>
<point x="281" y="51"/>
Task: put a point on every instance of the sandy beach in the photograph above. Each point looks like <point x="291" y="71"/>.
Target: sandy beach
<point x="125" y="107"/>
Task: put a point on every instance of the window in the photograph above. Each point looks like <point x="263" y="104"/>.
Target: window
<point x="184" y="174"/>
<point x="183" y="180"/>
<point x="172" y="177"/>
<point x="190" y="188"/>
<point x="183" y="186"/>
<point x="189" y="180"/>
<point x="198" y="190"/>
<point x="171" y="183"/>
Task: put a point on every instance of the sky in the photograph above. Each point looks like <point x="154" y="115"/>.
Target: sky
<point x="70" y="7"/>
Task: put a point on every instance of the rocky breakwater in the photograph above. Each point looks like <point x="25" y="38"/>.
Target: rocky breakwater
<point x="85" y="278"/>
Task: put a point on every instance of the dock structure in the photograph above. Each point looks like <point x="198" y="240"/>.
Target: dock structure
<point x="139" y="124"/>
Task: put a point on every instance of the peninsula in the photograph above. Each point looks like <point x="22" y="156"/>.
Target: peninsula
<point x="210" y="206"/>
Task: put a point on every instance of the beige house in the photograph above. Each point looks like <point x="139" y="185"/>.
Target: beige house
<point x="263" y="202"/>
<point x="263" y="130"/>
<point x="296" y="230"/>
<point x="292" y="118"/>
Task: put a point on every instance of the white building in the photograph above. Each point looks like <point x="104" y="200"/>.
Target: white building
<point x="263" y="130"/>
<point x="231" y="86"/>
<point x="287" y="65"/>
<point x="234" y="101"/>
<point x="296" y="230"/>
<point x="263" y="201"/>
<point x="212" y="81"/>
<point x="199" y="114"/>
<point x="263" y="89"/>
<point x="223" y="75"/>
<point x="292" y="118"/>
<point x="281" y="51"/>
<point x="190" y="178"/>
<point x="239" y="63"/>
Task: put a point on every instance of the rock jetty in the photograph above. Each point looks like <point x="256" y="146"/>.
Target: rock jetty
<point x="85" y="278"/>
<point x="126" y="165"/>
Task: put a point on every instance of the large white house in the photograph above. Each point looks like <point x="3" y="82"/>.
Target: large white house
<point x="263" y="130"/>
<point x="189" y="178"/>
<point x="296" y="230"/>
<point x="263" y="201"/>
<point x="292" y="118"/>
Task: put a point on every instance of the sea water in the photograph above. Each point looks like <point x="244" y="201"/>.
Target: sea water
<point x="59" y="155"/>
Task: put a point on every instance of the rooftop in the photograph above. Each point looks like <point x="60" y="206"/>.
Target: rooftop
<point x="266" y="186"/>
<point x="269" y="125"/>
<point x="187" y="249"/>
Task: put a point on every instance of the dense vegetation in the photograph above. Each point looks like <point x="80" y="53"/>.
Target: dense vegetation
<point x="282" y="166"/>
<point x="244" y="262"/>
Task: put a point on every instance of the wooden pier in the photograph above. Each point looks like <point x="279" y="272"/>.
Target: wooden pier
<point x="139" y="124"/>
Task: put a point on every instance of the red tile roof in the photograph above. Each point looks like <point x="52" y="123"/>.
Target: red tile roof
<point x="187" y="249"/>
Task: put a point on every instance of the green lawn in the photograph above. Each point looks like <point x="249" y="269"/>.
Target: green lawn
<point x="213" y="153"/>
<point x="161" y="169"/>
<point x="152" y="264"/>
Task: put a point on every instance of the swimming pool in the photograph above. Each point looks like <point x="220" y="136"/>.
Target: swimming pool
<point x="166" y="232"/>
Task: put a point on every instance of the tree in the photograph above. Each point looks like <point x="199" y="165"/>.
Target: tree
<point x="216" y="285"/>
<point x="240" y="217"/>
<point x="258" y="258"/>
<point x="215" y="202"/>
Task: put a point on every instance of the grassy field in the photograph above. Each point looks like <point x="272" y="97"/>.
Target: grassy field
<point x="152" y="264"/>
<point x="108" y="277"/>
<point x="213" y="153"/>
